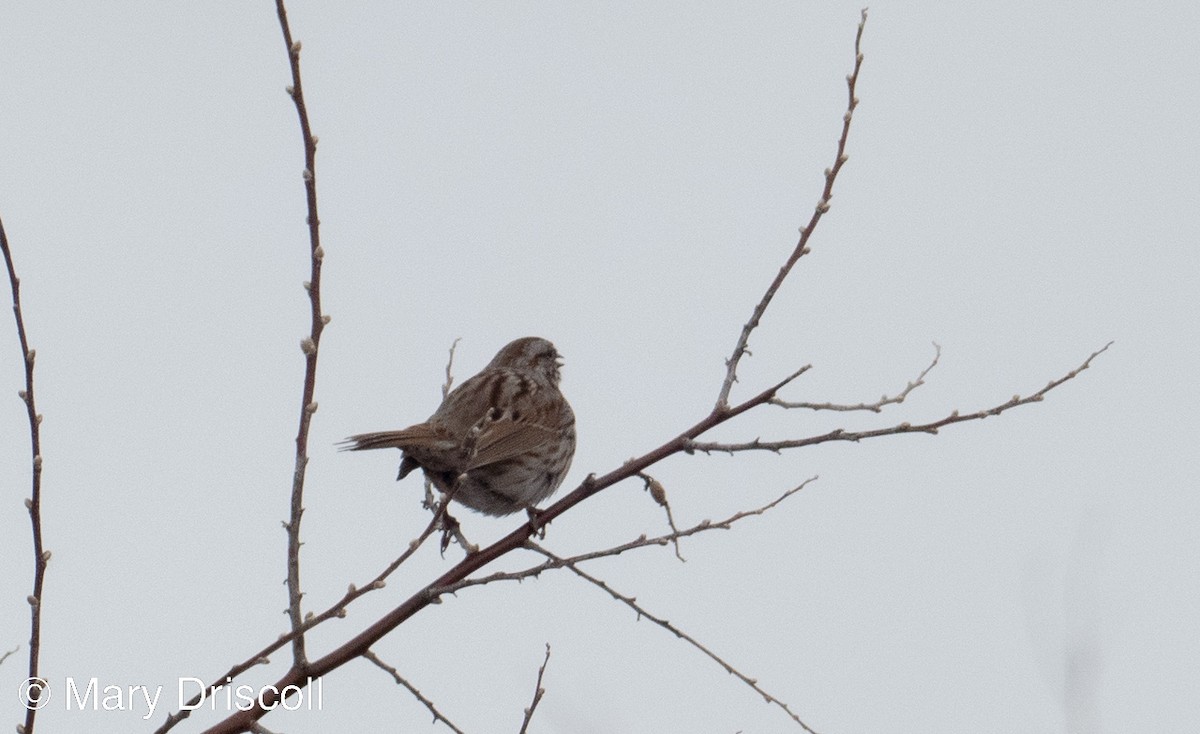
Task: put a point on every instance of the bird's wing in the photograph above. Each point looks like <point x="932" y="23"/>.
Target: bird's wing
<point x="506" y="439"/>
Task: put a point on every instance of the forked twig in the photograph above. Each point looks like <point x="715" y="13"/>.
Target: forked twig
<point x="878" y="405"/>
<point x="931" y="427"/>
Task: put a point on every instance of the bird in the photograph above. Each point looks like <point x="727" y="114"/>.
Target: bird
<point x="500" y="442"/>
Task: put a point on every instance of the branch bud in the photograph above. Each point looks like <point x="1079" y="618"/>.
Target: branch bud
<point x="308" y="346"/>
<point x="657" y="492"/>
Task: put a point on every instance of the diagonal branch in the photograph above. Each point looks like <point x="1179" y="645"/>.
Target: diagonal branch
<point x="310" y="345"/>
<point x="631" y="602"/>
<point x="33" y="503"/>
<point x="878" y="405"/>
<point x="538" y="692"/>
<point x="801" y="249"/>
<point x="401" y="681"/>
<point x="616" y="550"/>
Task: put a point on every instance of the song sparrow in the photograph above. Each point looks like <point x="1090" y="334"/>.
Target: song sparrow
<point x="502" y="440"/>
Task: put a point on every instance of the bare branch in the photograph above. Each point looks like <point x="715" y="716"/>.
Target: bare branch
<point x="41" y="556"/>
<point x="9" y="654"/>
<point x="801" y="249"/>
<point x="640" y="542"/>
<point x="400" y="680"/>
<point x="878" y="405"/>
<point x="538" y="692"/>
<point x="631" y="602"/>
<point x="931" y="427"/>
<point x="310" y="345"/>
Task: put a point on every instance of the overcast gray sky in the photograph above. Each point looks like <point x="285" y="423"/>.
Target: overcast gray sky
<point x="624" y="180"/>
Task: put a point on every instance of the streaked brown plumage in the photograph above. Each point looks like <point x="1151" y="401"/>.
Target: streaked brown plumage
<point x="506" y="435"/>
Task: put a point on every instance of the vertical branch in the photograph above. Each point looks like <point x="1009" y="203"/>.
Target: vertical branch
<point x="309" y="344"/>
<point x="740" y="349"/>
<point x="34" y="502"/>
<point x="538" y="692"/>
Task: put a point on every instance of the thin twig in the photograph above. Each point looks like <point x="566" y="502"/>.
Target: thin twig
<point x="310" y="345"/>
<point x="878" y="405"/>
<point x="931" y="427"/>
<point x="631" y="602"/>
<point x="33" y="503"/>
<point x="801" y="249"/>
<point x="538" y="692"/>
<point x="400" y="680"/>
<point x="9" y="654"/>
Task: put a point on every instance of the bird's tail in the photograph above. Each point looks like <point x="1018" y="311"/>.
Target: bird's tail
<point x="377" y="440"/>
